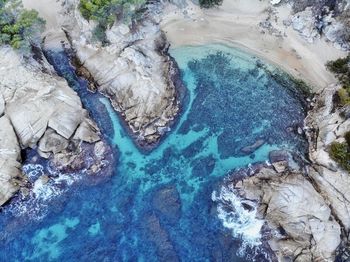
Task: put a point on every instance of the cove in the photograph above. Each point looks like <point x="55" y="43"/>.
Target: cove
<point x="158" y="206"/>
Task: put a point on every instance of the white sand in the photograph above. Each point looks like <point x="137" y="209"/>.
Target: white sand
<point x="235" y="23"/>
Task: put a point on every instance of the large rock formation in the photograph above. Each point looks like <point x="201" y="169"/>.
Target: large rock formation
<point x="10" y="167"/>
<point x="326" y="125"/>
<point x="134" y="70"/>
<point x="304" y="22"/>
<point x="299" y="217"/>
<point x="330" y="19"/>
<point x="38" y="110"/>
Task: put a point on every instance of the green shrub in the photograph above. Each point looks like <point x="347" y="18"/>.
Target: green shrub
<point x="347" y="137"/>
<point x="341" y="68"/>
<point x="106" y="12"/>
<point x="19" y="27"/>
<point x="339" y="152"/>
<point x="344" y="97"/>
<point x="210" y="3"/>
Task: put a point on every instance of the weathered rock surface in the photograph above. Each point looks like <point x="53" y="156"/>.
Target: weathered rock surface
<point x="10" y="167"/>
<point x="40" y="111"/>
<point x="326" y="126"/>
<point x="330" y="19"/>
<point x="304" y="22"/>
<point x="302" y="222"/>
<point x="134" y="71"/>
<point x="36" y="101"/>
<point x="279" y="160"/>
<point x="2" y="105"/>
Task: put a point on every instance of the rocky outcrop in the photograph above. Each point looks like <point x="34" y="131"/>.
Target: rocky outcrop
<point x="37" y="101"/>
<point x="38" y="110"/>
<point x="304" y="22"/>
<point x="134" y="70"/>
<point x="299" y="217"/>
<point x="314" y="19"/>
<point x="326" y="124"/>
<point x="10" y="167"/>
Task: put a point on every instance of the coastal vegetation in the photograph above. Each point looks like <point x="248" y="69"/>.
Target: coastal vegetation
<point x="19" y="27"/>
<point x="107" y="12"/>
<point x="210" y="3"/>
<point x="341" y="68"/>
<point x="339" y="152"/>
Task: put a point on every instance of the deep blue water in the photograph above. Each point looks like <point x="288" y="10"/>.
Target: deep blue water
<point x="158" y="206"/>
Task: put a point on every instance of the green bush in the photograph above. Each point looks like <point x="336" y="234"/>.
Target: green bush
<point x="210" y="3"/>
<point x="347" y="137"/>
<point x="341" y="68"/>
<point x="106" y="12"/>
<point x="344" y="96"/>
<point x="339" y="152"/>
<point x="19" y="27"/>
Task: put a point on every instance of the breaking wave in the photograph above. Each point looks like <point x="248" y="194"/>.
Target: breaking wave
<point x="239" y="216"/>
<point x="35" y="203"/>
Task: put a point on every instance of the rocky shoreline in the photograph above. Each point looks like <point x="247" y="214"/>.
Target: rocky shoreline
<point x="305" y="206"/>
<point x="51" y="120"/>
<point x="137" y="74"/>
<point x="174" y="76"/>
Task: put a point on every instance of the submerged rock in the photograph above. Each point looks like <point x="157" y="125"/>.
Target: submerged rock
<point x="167" y="202"/>
<point x="250" y="149"/>
<point x="307" y="212"/>
<point x="160" y="238"/>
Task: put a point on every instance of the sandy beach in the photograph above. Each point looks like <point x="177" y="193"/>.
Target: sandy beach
<point x="236" y="23"/>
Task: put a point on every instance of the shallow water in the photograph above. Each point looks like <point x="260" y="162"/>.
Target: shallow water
<point x="159" y="206"/>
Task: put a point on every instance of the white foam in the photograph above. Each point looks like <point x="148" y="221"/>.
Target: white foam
<point x="33" y="171"/>
<point x="241" y="221"/>
<point x="36" y="204"/>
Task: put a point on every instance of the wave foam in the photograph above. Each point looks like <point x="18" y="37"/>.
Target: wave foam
<point x="240" y="220"/>
<point x="33" y="171"/>
<point x="36" y="204"/>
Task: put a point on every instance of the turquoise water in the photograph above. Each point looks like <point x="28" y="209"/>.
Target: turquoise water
<point x="158" y="206"/>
